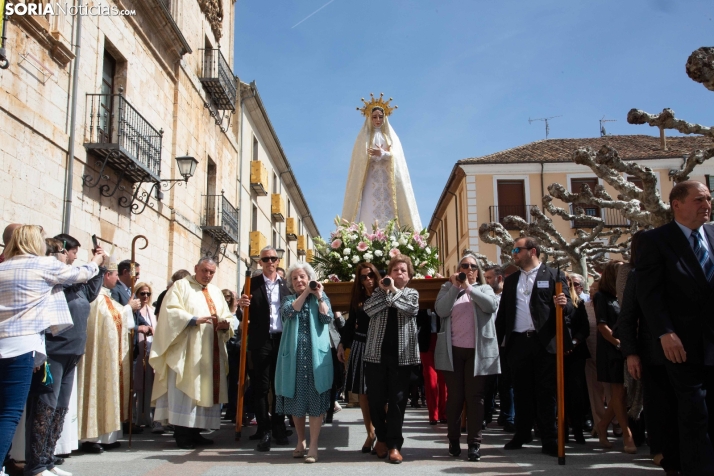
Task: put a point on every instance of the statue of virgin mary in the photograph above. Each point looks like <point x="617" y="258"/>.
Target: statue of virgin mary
<point x="378" y="185"/>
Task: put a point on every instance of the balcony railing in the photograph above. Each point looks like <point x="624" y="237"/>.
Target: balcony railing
<point x="499" y="212"/>
<point x="220" y="219"/>
<point x="218" y="79"/>
<point x="612" y="218"/>
<point x="119" y="134"/>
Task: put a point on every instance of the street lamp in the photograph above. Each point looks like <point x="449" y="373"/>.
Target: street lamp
<point x="280" y="252"/>
<point x="187" y="166"/>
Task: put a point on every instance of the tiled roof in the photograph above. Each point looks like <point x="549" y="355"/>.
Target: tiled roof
<point x="635" y="147"/>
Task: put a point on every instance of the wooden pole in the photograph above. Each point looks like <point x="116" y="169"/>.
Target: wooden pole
<point x="243" y="347"/>
<point x="562" y="426"/>
<point x="132" y="273"/>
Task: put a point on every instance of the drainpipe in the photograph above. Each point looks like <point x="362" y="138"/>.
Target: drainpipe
<point x="72" y="125"/>
<point x="456" y="210"/>
<point x="542" y="187"/>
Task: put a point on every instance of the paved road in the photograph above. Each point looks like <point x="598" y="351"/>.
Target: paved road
<point x="424" y="451"/>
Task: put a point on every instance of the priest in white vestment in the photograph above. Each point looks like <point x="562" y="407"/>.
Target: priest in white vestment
<point x="103" y="371"/>
<point x="189" y="356"/>
<point x="378" y="185"/>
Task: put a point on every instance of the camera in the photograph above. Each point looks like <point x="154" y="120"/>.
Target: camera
<point x="461" y="277"/>
<point x="313" y="285"/>
<point x="387" y="281"/>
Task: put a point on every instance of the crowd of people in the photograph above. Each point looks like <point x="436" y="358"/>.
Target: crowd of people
<point x="638" y="347"/>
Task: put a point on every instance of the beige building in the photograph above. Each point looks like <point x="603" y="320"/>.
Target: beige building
<point x="149" y="87"/>
<point x="510" y="182"/>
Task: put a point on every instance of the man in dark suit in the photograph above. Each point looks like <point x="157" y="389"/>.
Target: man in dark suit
<point x="267" y="291"/>
<point x="675" y="289"/>
<point x="526" y="329"/>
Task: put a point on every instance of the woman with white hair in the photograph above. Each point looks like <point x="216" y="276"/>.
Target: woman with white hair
<point x="468" y="328"/>
<point x="304" y="373"/>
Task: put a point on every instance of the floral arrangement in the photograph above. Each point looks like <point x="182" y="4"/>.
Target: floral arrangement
<point x="352" y="243"/>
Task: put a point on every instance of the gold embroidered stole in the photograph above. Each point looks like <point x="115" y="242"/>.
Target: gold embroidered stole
<point x="216" y="354"/>
<point x="117" y="318"/>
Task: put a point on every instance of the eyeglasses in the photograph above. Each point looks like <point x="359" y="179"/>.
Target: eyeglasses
<point x="469" y="265"/>
<point x="272" y="259"/>
<point x="145" y="294"/>
<point x="518" y="249"/>
<point x="363" y="277"/>
<point x="577" y="285"/>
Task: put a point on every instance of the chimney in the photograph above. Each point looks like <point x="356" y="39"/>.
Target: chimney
<point x="662" y="139"/>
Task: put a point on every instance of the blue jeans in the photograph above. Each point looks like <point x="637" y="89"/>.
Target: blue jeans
<point x="15" y="379"/>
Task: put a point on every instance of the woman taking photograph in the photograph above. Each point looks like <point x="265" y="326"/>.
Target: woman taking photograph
<point x="354" y="336"/>
<point x="610" y="362"/>
<point x="468" y="327"/>
<point x="391" y="353"/>
<point x="29" y="305"/>
<point x="303" y="375"/>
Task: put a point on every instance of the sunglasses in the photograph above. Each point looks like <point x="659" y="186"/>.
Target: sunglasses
<point x="518" y="249"/>
<point x="577" y="285"/>
<point x="145" y="294"/>
<point x="363" y="277"/>
<point x="469" y="265"/>
<point x="272" y="259"/>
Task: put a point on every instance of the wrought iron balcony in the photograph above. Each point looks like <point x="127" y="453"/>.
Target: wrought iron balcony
<point x="499" y="212"/>
<point x="218" y="79"/>
<point x="612" y="218"/>
<point x="220" y="219"/>
<point x="123" y="138"/>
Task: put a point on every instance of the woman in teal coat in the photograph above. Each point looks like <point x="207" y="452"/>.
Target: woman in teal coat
<point x="303" y="375"/>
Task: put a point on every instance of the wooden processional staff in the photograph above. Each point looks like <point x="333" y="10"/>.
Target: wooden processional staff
<point x="243" y="346"/>
<point x="132" y="271"/>
<point x="559" y="355"/>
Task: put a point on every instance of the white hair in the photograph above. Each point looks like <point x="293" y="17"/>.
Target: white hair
<point x="299" y="265"/>
<point x="206" y="259"/>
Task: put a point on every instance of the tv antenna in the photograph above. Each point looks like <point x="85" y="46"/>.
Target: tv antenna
<point x="603" y="132"/>
<point x="547" y="125"/>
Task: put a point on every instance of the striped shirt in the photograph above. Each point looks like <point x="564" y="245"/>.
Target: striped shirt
<point x="31" y="296"/>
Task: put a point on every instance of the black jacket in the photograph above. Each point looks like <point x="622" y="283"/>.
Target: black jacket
<point x="541" y="305"/>
<point x="633" y="331"/>
<point x="259" y="328"/>
<point x="579" y="328"/>
<point x="424" y="326"/>
<point x="673" y="291"/>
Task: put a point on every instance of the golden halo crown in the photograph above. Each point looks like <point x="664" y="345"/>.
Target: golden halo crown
<point x="377" y="102"/>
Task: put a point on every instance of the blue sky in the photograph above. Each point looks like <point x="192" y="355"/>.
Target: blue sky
<point x="466" y="75"/>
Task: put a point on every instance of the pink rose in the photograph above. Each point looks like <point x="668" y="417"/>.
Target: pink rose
<point x="336" y="244"/>
<point x="362" y="246"/>
<point x="333" y="278"/>
<point x="393" y="252"/>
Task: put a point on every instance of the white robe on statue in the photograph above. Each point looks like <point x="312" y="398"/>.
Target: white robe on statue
<point x="379" y="188"/>
<point x="182" y="357"/>
<point x="103" y="371"/>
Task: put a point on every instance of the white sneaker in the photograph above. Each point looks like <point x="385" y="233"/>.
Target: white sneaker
<point x="337" y="407"/>
<point x="60" y="472"/>
<point x="2" y="471"/>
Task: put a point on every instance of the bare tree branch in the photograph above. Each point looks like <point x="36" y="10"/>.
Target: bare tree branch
<point x="700" y="66"/>
<point x="695" y="158"/>
<point x="666" y="120"/>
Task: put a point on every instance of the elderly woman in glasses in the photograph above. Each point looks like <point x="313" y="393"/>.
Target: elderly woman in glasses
<point x="143" y="372"/>
<point x="468" y="313"/>
<point x="304" y="372"/>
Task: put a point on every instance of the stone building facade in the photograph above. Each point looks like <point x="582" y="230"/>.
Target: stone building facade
<point x="510" y="182"/>
<point x="150" y="87"/>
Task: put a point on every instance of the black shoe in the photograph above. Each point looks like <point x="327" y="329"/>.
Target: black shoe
<point x="94" y="448"/>
<point x="264" y="444"/>
<point x="328" y="418"/>
<point x="474" y="453"/>
<point x="517" y="443"/>
<point x="550" y="450"/>
<point x="135" y="429"/>
<point x="454" y="448"/>
<point x="443" y="421"/>
<point x="433" y="422"/>
<point x="484" y="425"/>
<point x="288" y="433"/>
<point x="200" y="440"/>
<point x="509" y="427"/>
<point x="258" y="435"/>
<point x="579" y="438"/>
<point x="57" y="461"/>
<point x="280" y="440"/>
<point x="415" y="404"/>
<point x="185" y="443"/>
<point x="112" y="446"/>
